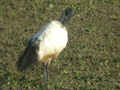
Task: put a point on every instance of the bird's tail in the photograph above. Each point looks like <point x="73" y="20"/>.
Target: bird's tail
<point x="28" y="58"/>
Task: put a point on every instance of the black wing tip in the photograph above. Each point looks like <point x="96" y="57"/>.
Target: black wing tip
<point x="27" y="59"/>
<point x="20" y="64"/>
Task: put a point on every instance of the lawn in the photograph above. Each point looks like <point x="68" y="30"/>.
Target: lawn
<point x="91" y="60"/>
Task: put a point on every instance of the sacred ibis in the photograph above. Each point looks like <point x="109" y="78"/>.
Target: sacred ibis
<point x="47" y="44"/>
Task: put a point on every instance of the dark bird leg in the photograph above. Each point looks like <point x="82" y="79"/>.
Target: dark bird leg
<point x="46" y="71"/>
<point x="46" y="75"/>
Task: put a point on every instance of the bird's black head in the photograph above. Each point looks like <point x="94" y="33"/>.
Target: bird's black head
<point x="66" y="16"/>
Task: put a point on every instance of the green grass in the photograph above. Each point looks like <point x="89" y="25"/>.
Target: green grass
<point x="91" y="60"/>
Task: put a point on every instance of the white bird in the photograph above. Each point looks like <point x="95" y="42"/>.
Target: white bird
<point x="47" y="44"/>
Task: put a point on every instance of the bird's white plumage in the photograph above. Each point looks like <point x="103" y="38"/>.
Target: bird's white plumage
<point x="52" y="40"/>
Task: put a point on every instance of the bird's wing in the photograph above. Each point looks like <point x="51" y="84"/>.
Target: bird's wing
<point x="29" y="56"/>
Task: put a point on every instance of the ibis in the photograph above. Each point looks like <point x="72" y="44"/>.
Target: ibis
<point x="47" y="44"/>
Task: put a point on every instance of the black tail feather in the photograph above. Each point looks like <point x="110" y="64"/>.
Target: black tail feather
<point x="28" y="58"/>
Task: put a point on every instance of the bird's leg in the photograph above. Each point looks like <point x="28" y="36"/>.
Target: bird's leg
<point x="46" y="72"/>
<point x="46" y="75"/>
